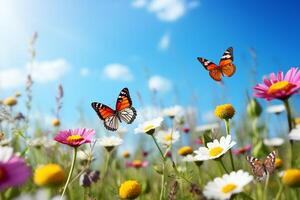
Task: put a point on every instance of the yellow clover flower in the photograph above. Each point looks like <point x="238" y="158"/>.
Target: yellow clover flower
<point x="50" y="174"/>
<point x="130" y="189"/>
<point x="225" y="111"/>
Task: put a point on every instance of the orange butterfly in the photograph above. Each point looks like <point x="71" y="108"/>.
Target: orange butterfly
<point x="225" y="67"/>
<point x="123" y="112"/>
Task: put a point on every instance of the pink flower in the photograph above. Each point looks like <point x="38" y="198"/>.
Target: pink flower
<point x="75" y="137"/>
<point x="279" y="86"/>
<point x="137" y="164"/>
<point x="13" y="169"/>
<point x="242" y="150"/>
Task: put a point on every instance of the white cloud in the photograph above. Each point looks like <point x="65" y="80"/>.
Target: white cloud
<point x="48" y="70"/>
<point x="42" y="72"/>
<point x="159" y="84"/>
<point x="167" y="10"/>
<point x="117" y="71"/>
<point x="84" y="72"/>
<point x="139" y="3"/>
<point x="164" y="42"/>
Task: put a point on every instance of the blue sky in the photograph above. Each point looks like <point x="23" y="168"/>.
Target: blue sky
<point x="83" y="39"/>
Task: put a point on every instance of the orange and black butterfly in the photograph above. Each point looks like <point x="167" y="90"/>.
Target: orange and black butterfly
<point x="261" y="169"/>
<point x="225" y="67"/>
<point x="123" y="112"/>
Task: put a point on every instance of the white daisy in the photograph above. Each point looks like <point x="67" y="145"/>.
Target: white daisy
<point x="223" y="187"/>
<point x="173" y="111"/>
<point x="295" y="133"/>
<point x="274" y="142"/>
<point x="276" y="109"/>
<point x="215" y="149"/>
<point x="111" y="141"/>
<point x="167" y="137"/>
<point x="84" y="155"/>
<point x="149" y="126"/>
<point x="6" y="153"/>
<point x="42" y="142"/>
<point x="207" y="127"/>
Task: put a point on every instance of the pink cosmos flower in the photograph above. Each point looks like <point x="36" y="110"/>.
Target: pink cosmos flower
<point x="13" y="169"/>
<point x="137" y="164"/>
<point x="75" y="137"/>
<point x="279" y="86"/>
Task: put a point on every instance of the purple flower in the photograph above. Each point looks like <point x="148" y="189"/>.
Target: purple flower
<point x="75" y="137"/>
<point x="13" y="169"/>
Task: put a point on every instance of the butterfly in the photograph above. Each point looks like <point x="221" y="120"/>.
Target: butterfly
<point x="123" y="112"/>
<point x="225" y="67"/>
<point x="261" y="169"/>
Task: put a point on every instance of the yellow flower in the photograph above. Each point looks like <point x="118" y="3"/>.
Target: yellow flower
<point x="55" y="122"/>
<point x="291" y="177"/>
<point x="130" y="189"/>
<point x="297" y="120"/>
<point x="186" y="150"/>
<point x="278" y="163"/>
<point x="126" y="154"/>
<point x="10" y="101"/>
<point x="50" y="174"/>
<point x="17" y="94"/>
<point x="225" y="111"/>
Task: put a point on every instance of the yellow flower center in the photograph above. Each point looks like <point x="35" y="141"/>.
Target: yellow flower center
<point x="280" y="86"/>
<point x="228" y="188"/>
<point x="215" y="151"/>
<point x="168" y="137"/>
<point x="2" y="174"/>
<point x="148" y="128"/>
<point x="74" y="138"/>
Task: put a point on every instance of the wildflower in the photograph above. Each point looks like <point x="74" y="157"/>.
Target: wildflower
<point x="242" y="150"/>
<point x="167" y="137"/>
<point x="215" y="149"/>
<point x="273" y="142"/>
<point x="13" y="169"/>
<point x="185" y="150"/>
<point x="278" y="163"/>
<point x="279" y="86"/>
<point x="149" y="127"/>
<point x="75" y="137"/>
<point x="276" y="109"/>
<point x="109" y="143"/>
<point x="126" y="154"/>
<point x="186" y="130"/>
<point x="130" y="189"/>
<point x="17" y="94"/>
<point x="55" y="122"/>
<point x="89" y="177"/>
<point x="291" y="177"/>
<point x="85" y="156"/>
<point x="191" y="158"/>
<point x="145" y="153"/>
<point x="227" y="185"/>
<point x="254" y="108"/>
<point x="137" y="164"/>
<point x="198" y="141"/>
<point x="49" y="174"/>
<point x="207" y="127"/>
<point x="172" y="112"/>
<point x="10" y="101"/>
<point x="225" y="111"/>
<point x="295" y="133"/>
<point x="297" y="121"/>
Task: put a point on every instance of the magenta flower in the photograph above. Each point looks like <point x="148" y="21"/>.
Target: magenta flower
<point x="279" y="86"/>
<point x="13" y="169"/>
<point x="137" y="164"/>
<point x="75" y="137"/>
<point x="243" y="150"/>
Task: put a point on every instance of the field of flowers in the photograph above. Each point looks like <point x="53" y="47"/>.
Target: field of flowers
<point x="230" y="159"/>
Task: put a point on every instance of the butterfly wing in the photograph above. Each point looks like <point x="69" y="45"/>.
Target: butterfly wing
<point x="258" y="168"/>
<point x="226" y="63"/>
<point x="106" y="114"/>
<point x="124" y="107"/>
<point x="214" y="70"/>
<point x="269" y="162"/>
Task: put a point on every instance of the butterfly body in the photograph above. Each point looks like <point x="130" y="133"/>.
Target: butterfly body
<point x="123" y="111"/>
<point x="262" y="169"/>
<point x="225" y="67"/>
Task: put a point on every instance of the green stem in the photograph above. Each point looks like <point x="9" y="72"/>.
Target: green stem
<point x="279" y="192"/>
<point x="228" y="133"/>
<point x="106" y="164"/>
<point x="290" y="124"/>
<point x="70" y="172"/>
<point x="162" y="190"/>
<point x="223" y="166"/>
<point x="266" y="187"/>
<point x="160" y="151"/>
